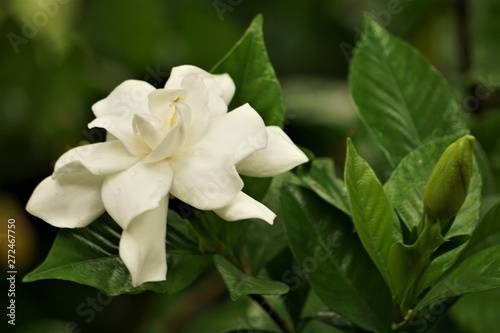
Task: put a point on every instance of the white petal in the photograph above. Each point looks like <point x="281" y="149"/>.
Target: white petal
<point x="220" y="87"/>
<point x="204" y="174"/>
<point x="197" y="100"/>
<point x="120" y="127"/>
<point x="223" y="87"/>
<point x="128" y="98"/>
<point x="217" y="104"/>
<point x="142" y="245"/>
<point x="72" y="200"/>
<point x="280" y="155"/>
<point x="136" y="190"/>
<point x="173" y="140"/>
<point x="99" y="158"/>
<point x="149" y="128"/>
<point x="226" y="85"/>
<point x="162" y="105"/>
<point x="178" y="73"/>
<point x="245" y="207"/>
<point x="216" y="107"/>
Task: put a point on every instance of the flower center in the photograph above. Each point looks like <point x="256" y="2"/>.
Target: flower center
<point x="172" y="115"/>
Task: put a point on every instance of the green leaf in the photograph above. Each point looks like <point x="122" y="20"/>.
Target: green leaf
<point x="468" y="217"/>
<point x="408" y="263"/>
<point x="334" y="261"/>
<point x="322" y="180"/>
<point x="331" y="319"/>
<point x="262" y="241"/>
<point x="401" y="98"/>
<point x="90" y="256"/>
<point x="280" y="268"/>
<point x="375" y="221"/>
<point x="478" y="272"/>
<point x="251" y="243"/>
<point x="488" y="229"/>
<point x="405" y="188"/>
<point x="256" y="187"/>
<point x="250" y="68"/>
<point x="240" y="284"/>
<point x="179" y="240"/>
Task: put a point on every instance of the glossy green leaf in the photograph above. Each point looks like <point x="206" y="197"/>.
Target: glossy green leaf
<point x="408" y="263"/>
<point x="488" y="231"/>
<point x="239" y="284"/>
<point x="256" y="83"/>
<point x="90" y="256"/>
<point x="179" y="240"/>
<point x="375" y="221"/>
<point x="405" y="188"/>
<point x="468" y="217"/>
<point x="478" y="272"/>
<point x="334" y="261"/>
<point x="250" y="68"/>
<point x="251" y="242"/>
<point x="263" y="242"/>
<point x="321" y="179"/>
<point x="280" y="268"/>
<point x="401" y="98"/>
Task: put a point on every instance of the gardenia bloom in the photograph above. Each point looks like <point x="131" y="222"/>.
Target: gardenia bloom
<point x="179" y="140"/>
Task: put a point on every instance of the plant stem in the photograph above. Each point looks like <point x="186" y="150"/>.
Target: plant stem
<point x="272" y="313"/>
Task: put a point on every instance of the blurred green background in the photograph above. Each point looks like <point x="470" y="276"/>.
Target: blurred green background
<point x="58" y="57"/>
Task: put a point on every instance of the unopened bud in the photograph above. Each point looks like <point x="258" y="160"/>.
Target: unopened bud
<point x="448" y="184"/>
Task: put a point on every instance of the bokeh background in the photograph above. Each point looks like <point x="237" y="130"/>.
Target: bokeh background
<point x="58" y="57"/>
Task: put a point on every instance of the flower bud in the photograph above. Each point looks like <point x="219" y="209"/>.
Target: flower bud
<point x="448" y="184"/>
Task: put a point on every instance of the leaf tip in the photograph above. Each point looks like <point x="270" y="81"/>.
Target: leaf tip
<point x="258" y="20"/>
<point x="350" y="146"/>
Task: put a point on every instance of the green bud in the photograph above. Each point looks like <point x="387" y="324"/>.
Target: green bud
<point x="449" y="181"/>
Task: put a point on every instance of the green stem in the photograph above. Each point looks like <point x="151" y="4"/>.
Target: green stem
<point x="272" y="313"/>
<point x="429" y="240"/>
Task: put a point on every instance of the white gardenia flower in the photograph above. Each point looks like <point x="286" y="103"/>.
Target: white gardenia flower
<point x="179" y="140"/>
